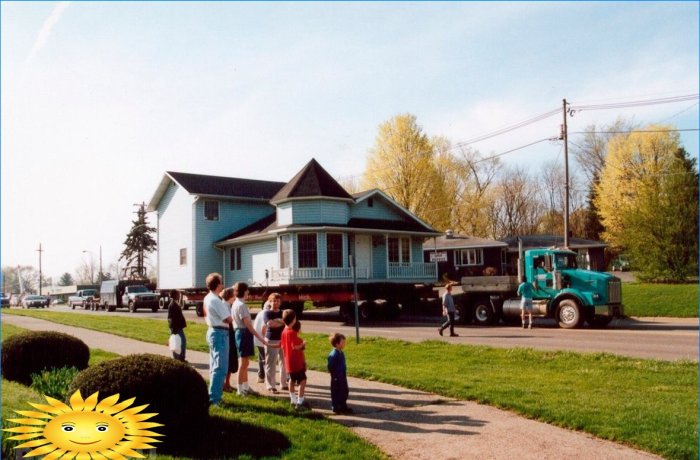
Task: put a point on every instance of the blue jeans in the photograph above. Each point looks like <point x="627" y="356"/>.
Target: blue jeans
<point x="179" y="356"/>
<point x="217" y="339"/>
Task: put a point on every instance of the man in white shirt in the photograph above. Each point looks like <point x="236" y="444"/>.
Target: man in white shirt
<point x="218" y="317"/>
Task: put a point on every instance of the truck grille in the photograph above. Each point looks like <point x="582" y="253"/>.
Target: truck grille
<point x="614" y="291"/>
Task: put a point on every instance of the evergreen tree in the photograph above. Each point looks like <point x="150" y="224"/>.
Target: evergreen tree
<point x="66" y="280"/>
<point x="138" y="244"/>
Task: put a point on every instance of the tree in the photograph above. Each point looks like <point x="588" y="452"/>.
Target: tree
<point x="516" y="209"/>
<point x="401" y="164"/>
<point x="648" y="201"/>
<point x="20" y="279"/>
<point x="66" y="280"/>
<point x="138" y="244"/>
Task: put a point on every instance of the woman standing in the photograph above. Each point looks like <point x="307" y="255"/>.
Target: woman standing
<point x="228" y="297"/>
<point x="177" y="323"/>
<point x="244" y="336"/>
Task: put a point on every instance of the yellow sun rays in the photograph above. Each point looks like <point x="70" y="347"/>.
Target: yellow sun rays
<point x="108" y="430"/>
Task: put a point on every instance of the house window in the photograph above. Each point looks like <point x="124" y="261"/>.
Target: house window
<point x="399" y="249"/>
<point x="235" y="258"/>
<point x="183" y="256"/>
<point x="469" y="257"/>
<point x="370" y="202"/>
<point x="284" y="251"/>
<point x="211" y="210"/>
<point x="334" y="250"/>
<point x="307" y="250"/>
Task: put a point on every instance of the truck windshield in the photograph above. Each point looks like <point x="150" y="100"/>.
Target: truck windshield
<point x="89" y="292"/>
<point x="137" y="289"/>
<point x="565" y="261"/>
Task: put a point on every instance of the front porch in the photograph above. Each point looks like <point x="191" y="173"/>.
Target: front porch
<point x="419" y="272"/>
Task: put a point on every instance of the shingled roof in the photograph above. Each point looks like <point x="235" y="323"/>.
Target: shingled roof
<point x="198" y="184"/>
<point x="311" y="181"/>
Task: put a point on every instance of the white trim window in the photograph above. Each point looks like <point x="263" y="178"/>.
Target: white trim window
<point x="307" y="250"/>
<point x="211" y="210"/>
<point x="235" y="259"/>
<point x="285" y="251"/>
<point x="399" y="249"/>
<point x="183" y="256"/>
<point x="465" y="257"/>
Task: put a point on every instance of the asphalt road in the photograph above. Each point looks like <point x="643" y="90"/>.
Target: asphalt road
<point x="658" y="338"/>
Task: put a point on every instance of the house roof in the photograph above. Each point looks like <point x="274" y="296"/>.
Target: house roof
<point x="547" y="241"/>
<point x="311" y="181"/>
<point x="205" y="185"/>
<point x="461" y="242"/>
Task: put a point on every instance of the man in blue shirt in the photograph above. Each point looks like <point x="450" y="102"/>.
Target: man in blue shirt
<point x="448" y="310"/>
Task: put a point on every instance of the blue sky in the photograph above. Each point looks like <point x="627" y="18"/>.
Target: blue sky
<point x="99" y="99"/>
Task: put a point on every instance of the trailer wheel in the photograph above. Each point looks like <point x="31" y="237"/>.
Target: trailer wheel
<point x="162" y="304"/>
<point x="365" y="310"/>
<point x="112" y="308"/>
<point x="106" y="306"/>
<point x="347" y="313"/>
<point x="199" y="309"/>
<point x="483" y="313"/>
<point x="461" y="313"/>
<point x="132" y="307"/>
<point x="569" y="315"/>
<point x="154" y="308"/>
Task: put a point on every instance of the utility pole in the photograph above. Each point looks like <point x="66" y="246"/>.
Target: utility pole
<point x="565" y="138"/>
<point x="40" y="251"/>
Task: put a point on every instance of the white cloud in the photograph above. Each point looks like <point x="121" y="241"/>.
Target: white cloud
<point x="46" y="29"/>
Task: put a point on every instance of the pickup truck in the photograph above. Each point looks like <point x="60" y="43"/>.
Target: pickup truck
<point x="139" y="296"/>
<point x="82" y="298"/>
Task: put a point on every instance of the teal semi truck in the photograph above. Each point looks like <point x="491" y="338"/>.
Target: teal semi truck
<point x="563" y="291"/>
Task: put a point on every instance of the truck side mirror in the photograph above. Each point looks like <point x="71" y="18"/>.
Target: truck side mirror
<point x="548" y="262"/>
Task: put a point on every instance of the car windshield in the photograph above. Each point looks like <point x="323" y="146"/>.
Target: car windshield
<point x="34" y="297"/>
<point x="89" y="292"/>
<point x="563" y="260"/>
<point x="137" y="289"/>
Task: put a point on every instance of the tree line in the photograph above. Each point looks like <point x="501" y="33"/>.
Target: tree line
<point x="634" y="187"/>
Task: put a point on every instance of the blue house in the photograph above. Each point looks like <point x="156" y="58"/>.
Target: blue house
<point x="272" y="233"/>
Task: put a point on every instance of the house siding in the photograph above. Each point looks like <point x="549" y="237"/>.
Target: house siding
<point x="319" y="211"/>
<point x="381" y="209"/>
<point x="174" y="233"/>
<point x="255" y="259"/>
<point x="233" y="216"/>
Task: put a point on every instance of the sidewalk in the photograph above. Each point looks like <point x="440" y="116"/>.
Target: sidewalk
<point x="405" y="424"/>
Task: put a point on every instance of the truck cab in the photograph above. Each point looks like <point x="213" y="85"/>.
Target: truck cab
<point x="139" y="296"/>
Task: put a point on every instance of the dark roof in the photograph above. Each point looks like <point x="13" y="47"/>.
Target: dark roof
<point x="546" y="241"/>
<point x="260" y="227"/>
<point x="199" y="184"/>
<point x="311" y="181"/>
<point x="460" y="242"/>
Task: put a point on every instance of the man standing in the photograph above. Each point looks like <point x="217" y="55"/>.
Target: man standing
<point x="218" y="317"/>
<point x="448" y="310"/>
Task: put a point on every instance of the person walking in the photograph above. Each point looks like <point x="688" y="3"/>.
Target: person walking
<point x="177" y="323"/>
<point x="527" y="292"/>
<point x="218" y="317"/>
<point x="448" y="310"/>
<point x="339" y="377"/>
<point x="273" y="327"/>
<point x="244" y="336"/>
<point x="228" y="297"/>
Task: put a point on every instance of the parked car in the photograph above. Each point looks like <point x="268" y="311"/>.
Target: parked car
<point x="34" y="301"/>
<point x="621" y="263"/>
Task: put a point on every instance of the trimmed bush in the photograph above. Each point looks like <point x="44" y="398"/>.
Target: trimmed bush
<point x="54" y="382"/>
<point x="35" y="351"/>
<point x="171" y="388"/>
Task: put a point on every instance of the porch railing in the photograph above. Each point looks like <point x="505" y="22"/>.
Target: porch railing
<point x="417" y="270"/>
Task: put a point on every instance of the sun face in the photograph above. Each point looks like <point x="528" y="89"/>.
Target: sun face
<point x="86" y="429"/>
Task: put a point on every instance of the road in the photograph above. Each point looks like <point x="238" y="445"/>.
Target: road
<point x="657" y="338"/>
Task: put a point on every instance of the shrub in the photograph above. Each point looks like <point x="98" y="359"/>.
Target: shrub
<point x="172" y="389"/>
<point x="34" y="351"/>
<point x="54" y="382"/>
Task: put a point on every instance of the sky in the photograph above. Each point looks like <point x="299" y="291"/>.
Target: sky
<point x="99" y="99"/>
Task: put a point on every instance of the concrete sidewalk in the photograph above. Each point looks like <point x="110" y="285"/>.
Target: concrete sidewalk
<point x="405" y="424"/>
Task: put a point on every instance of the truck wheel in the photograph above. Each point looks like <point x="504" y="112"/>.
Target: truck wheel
<point x="461" y="313"/>
<point x="569" y="314"/>
<point x="365" y="310"/>
<point x="112" y="308"/>
<point x="72" y="306"/>
<point x="483" y="314"/>
<point x="199" y="309"/>
<point x="105" y="306"/>
<point x="347" y="313"/>
<point x="132" y="307"/>
<point x="162" y="304"/>
<point x="154" y="308"/>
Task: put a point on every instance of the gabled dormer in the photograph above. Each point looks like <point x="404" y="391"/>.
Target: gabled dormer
<point x="312" y="197"/>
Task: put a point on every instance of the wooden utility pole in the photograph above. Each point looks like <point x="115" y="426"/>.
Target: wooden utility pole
<point x="40" y="251"/>
<point x="565" y="137"/>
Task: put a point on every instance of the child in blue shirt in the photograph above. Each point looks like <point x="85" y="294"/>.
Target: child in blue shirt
<point x="527" y="292"/>
<point x="339" y="378"/>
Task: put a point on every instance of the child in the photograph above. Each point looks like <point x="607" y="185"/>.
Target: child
<point x="526" y="291"/>
<point x="339" y="378"/>
<point x="293" y="350"/>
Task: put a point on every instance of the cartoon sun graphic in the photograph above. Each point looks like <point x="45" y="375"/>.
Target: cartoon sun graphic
<point x="86" y="429"/>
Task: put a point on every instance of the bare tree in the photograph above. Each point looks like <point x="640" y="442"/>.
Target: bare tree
<point x="516" y="209"/>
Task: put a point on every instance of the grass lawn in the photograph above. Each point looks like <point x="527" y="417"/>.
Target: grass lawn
<point x="673" y="300"/>
<point x="649" y="404"/>
<point x="254" y="427"/>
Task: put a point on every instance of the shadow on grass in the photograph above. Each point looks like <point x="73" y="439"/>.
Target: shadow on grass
<point x="220" y="437"/>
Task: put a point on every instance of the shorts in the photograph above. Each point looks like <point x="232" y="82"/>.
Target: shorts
<point x="244" y="343"/>
<point x="526" y="304"/>
<point x="297" y="377"/>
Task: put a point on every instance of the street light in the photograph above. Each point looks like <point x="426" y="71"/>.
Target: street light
<point x="99" y="274"/>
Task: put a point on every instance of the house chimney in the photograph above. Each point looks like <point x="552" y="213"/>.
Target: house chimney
<point x="449" y="234"/>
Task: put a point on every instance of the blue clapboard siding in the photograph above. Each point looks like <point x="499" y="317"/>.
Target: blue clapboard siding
<point x="381" y="209"/>
<point x="255" y="259"/>
<point x="174" y="233"/>
<point x="319" y="211"/>
<point x="233" y="216"/>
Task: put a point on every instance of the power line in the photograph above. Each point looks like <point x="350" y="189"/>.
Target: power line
<point x="637" y="131"/>
<point x="637" y="103"/>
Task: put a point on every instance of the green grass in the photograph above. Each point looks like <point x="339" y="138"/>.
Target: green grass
<point x="672" y="300"/>
<point x="648" y="404"/>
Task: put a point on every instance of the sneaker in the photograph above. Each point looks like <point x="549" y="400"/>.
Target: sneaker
<point x="272" y="390"/>
<point x="242" y="394"/>
<point x="523" y="325"/>
<point x="454" y="335"/>
<point x="529" y="326"/>
<point x="440" y="332"/>
<point x="304" y="406"/>
<point x="285" y="388"/>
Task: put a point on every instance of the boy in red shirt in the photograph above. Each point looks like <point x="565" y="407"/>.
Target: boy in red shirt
<point x="293" y="348"/>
